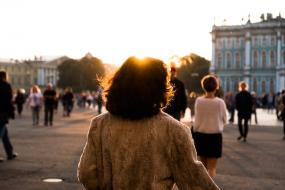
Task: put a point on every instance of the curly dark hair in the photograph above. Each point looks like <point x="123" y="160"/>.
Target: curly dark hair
<point x="139" y="89"/>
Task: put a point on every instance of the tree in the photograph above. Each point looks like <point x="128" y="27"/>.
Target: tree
<point x="68" y="76"/>
<point x="193" y="68"/>
<point x="92" y="71"/>
<point x="81" y="74"/>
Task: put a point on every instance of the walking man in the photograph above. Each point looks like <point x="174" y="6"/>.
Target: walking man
<point x="283" y="112"/>
<point x="6" y="112"/>
<point x="244" y="108"/>
<point x="49" y="101"/>
<point x="178" y="104"/>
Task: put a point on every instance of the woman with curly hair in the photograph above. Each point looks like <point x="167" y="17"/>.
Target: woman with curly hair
<point x="135" y="145"/>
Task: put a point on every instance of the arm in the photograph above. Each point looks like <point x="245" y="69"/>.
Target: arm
<point x="197" y="115"/>
<point x="11" y="108"/>
<point x="87" y="169"/>
<point x="183" y="98"/>
<point x="224" y="112"/>
<point x="189" y="173"/>
<point x="237" y="102"/>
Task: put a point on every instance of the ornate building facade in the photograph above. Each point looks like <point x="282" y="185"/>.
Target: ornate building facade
<point x="24" y="74"/>
<point x="253" y="52"/>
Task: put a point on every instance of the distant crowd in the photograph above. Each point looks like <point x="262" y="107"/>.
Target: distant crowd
<point x="50" y="99"/>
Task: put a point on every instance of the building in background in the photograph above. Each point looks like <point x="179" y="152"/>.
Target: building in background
<point x="253" y="52"/>
<point x="25" y="73"/>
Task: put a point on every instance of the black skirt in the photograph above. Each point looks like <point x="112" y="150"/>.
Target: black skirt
<point x="208" y="145"/>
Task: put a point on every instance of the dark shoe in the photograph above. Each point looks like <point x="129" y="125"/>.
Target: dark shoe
<point x="244" y="139"/>
<point x="239" y="138"/>
<point x="13" y="156"/>
<point x="284" y="137"/>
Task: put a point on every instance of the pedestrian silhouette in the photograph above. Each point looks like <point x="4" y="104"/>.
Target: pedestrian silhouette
<point x="283" y="112"/>
<point x="20" y="100"/>
<point x="6" y="113"/>
<point x="244" y="108"/>
<point x="35" y="101"/>
<point x="49" y="101"/>
<point x="178" y="104"/>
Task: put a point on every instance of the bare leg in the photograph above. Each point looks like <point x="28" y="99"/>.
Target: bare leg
<point x="211" y="166"/>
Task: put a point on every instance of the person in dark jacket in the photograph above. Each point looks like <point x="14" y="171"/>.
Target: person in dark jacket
<point x="283" y="112"/>
<point x="6" y="113"/>
<point x="49" y="101"/>
<point x="244" y="108"/>
<point x="178" y="104"/>
<point x="20" y="100"/>
<point x="68" y="101"/>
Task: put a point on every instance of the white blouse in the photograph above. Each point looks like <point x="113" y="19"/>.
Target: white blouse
<point x="35" y="99"/>
<point x="210" y="115"/>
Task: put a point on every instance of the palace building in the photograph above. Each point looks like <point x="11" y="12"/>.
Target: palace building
<point x="24" y="74"/>
<point x="253" y="52"/>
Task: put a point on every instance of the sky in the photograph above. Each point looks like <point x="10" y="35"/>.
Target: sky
<point x="113" y="30"/>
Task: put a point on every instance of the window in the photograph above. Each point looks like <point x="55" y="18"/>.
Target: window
<point x="255" y="59"/>
<point x="255" y="41"/>
<point x="227" y="85"/>
<point x="236" y="43"/>
<point x="263" y="87"/>
<point x="271" y="85"/>
<point x="254" y="85"/>
<point x="264" y="41"/>
<point x="284" y="57"/>
<point x="242" y="42"/>
<point x="228" y="43"/>
<point x="272" y="58"/>
<point x="263" y="59"/>
<point x="229" y="57"/>
<point x="219" y="60"/>
<point x="236" y="86"/>
<point x="220" y="43"/>
<point x="237" y="60"/>
<point x="273" y="42"/>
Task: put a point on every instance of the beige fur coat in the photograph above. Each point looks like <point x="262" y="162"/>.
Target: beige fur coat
<point x="150" y="154"/>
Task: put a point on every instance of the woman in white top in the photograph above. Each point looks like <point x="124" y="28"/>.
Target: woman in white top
<point x="210" y="118"/>
<point x="35" y="102"/>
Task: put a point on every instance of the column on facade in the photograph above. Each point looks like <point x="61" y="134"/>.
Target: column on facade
<point x="213" y="63"/>
<point x="41" y="77"/>
<point x="278" y="78"/>
<point x="247" y="50"/>
<point x="247" y="58"/>
<point x="278" y="48"/>
<point x="282" y="81"/>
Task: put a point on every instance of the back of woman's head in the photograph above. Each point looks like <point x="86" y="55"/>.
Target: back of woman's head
<point x="209" y="83"/>
<point x="35" y="89"/>
<point x="139" y="89"/>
